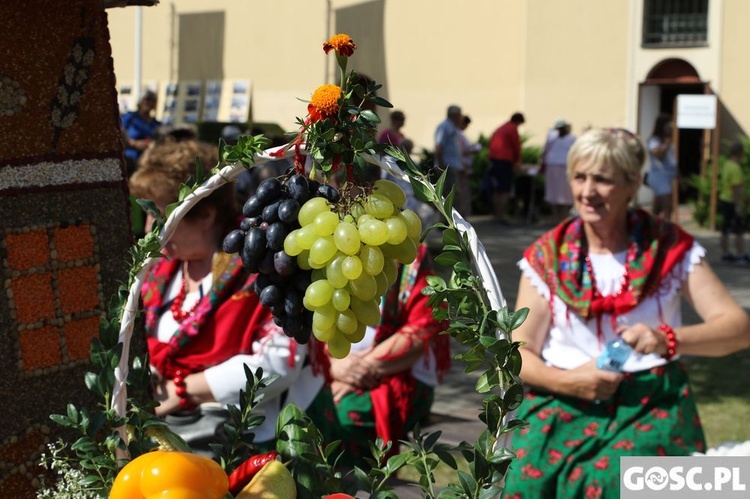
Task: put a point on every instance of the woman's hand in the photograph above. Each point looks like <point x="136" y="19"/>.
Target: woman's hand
<point x="356" y="370"/>
<point x="591" y="383"/>
<point x="339" y="389"/>
<point x="644" y="339"/>
<point x="165" y="394"/>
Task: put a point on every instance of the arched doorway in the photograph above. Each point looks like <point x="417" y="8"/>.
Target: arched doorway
<point x="658" y="94"/>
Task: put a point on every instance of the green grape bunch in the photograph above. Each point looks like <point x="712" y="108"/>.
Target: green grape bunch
<point x="352" y="249"/>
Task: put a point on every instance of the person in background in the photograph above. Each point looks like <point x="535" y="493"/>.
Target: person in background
<point x="203" y="319"/>
<point x="611" y="272"/>
<point x="463" y="186"/>
<point x="505" y="159"/>
<point x="138" y="128"/>
<point x="557" y="191"/>
<point x="663" y="166"/>
<point x="393" y="135"/>
<point x="448" y="152"/>
<point x="386" y="384"/>
<point x="732" y="206"/>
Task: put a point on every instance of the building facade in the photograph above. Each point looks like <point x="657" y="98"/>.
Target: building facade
<point x="609" y="63"/>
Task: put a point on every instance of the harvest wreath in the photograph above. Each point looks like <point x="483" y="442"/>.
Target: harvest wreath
<point x="124" y="450"/>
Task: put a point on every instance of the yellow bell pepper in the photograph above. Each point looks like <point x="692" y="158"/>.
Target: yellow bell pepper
<point x="170" y="475"/>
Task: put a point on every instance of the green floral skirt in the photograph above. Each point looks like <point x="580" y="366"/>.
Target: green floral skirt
<point x="572" y="447"/>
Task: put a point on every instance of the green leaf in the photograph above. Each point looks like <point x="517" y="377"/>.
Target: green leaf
<point x="468" y="483"/>
<point x="513" y="397"/>
<point x="435" y="281"/>
<point x="440" y="185"/>
<point x="518" y="318"/>
<point x="431" y="440"/>
<point x="448" y="203"/>
<point x="421" y="191"/>
<point x="448" y="259"/>
<point x="370" y="116"/>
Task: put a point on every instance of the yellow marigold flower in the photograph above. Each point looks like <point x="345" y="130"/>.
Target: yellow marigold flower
<point x="341" y="43"/>
<point x="324" y="102"/>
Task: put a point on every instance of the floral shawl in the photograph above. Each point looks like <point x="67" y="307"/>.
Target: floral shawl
<point x="655" y="247"/>
<point x="226" y="322"/>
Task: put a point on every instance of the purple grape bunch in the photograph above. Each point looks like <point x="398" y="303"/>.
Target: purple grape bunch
<point x="270" y="215"/>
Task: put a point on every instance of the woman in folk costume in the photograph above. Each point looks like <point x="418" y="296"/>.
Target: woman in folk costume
<point x="386" y="384"/>
<point x="608" y="272"/>
<point x="203" y="320"/>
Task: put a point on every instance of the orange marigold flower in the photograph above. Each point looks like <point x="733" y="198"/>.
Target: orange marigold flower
<point x="324" y="102"/>
<point x="341" y="43"/>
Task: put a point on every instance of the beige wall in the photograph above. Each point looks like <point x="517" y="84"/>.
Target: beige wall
<point x="576" y="59"/>
<point x="735" y="80"/>
<point x="576" y="64"/>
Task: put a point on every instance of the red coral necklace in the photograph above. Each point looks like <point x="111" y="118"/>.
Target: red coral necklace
<point x="176" y="307"/>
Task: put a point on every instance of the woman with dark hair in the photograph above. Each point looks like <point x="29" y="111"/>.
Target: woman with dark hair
<point x="203" y="320"/>
<point x="663" y="166"/>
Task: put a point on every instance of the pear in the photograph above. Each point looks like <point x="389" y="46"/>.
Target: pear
<point x="273" y="481"/>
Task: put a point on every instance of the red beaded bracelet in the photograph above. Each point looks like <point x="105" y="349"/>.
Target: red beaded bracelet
<point x="671" y="340"/>
<point x="180" y="389"/>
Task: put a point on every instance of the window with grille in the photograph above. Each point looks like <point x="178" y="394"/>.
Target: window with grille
<point x="675" y="23"/>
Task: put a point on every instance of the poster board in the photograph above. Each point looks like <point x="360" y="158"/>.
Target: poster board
<point x="235" y="106"/>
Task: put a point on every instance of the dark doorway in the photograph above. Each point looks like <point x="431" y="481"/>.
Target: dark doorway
<point x="690" y="141"/>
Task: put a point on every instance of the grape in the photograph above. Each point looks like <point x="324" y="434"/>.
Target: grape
<point x="392" y="191"/>
<point x="329" y="192"/>
<point x="339" y="346"/>
<point x="390" y="269"/>
<point x="351" y="267"/>
<point x="298" y="189"/>
<point x="322" y="251"/>
<point x="373" y="232"/>
<point x="346" y="322"/>
<point x="270" y="213"/>
<point x="334" y="273"/>
<point x="324" y="317"/>
<point x="255" y="243"/>
<point x="276" y="234"/>
<point x="233" y="241"/>
<point x="359" y="334"/>
<point x="372" y="259"/>
<point x="367" y="311"/>
<point x="261" y="281"/>
<point x="301" y="280"/>
<point x="340" y="299"/>
<point x="356" y="211"/>
<point x="406" y="252"/>
<point x="312" y="186"/>
<point x="291" y="244"/>
<point x="269" y="190"/>
<point x="364" y="287"/>
<point x="306" y="236"/>
<point x="381" y="282"/>
<point x="303" y="260"/>
<point x="246" y="224"/>
<point x="250" y="262"/>
<point x="270" y="296"/>
<point x="413" y="224"/>
<point x="293" y="325"/>
<point x="324" y="334"/>
<point x="346" y="237"/>
<point x="319" y="293"/>
<point x="378" y="206"/>
<point x="397" y="230"/>
<point x="265" y="265"/>
<point x="288" y="210"/>
<point x="284" y="264"/>
<point x="311" y="209"/>
<point x="252" y="207"/>
<point x="293" y="302"/>
<point x="325" y="223"/>
<point x="364" y="217"/>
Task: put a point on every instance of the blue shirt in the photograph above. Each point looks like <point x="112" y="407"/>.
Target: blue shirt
<point x="138" y="129"/>
<point x="448" y="136"/>
<point x="662" y="171"/>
